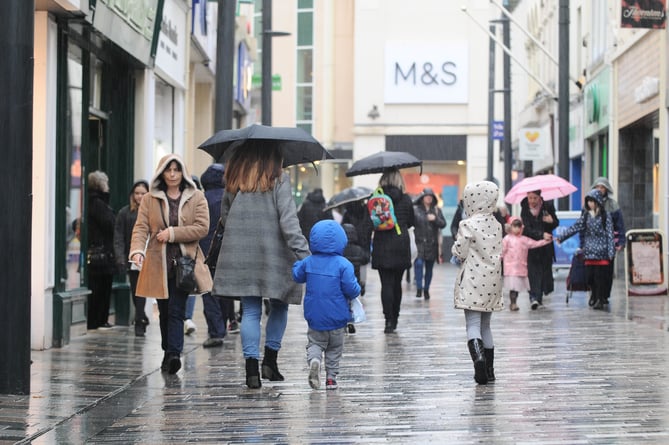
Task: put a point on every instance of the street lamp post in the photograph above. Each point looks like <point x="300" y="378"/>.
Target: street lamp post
<point x="266" y="87"/>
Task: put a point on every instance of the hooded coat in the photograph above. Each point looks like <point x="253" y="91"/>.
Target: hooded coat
<point x="331" y="283"/>
<point x="261" y="241"/>
<point x="612" y="208"/>
<point x="312" y="211"/>
<point x="478" y="285"/>
<point x="427" y="233"/>
<point x="193" y="226"/>
<point x="212" y="182"/>
<point x="596" y="230"/>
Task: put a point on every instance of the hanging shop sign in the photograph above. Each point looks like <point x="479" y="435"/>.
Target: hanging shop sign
<point x="532" y="143"/>
<point x="640" y="14"/>
<point x="426" y="73"/>
<point x="130" y="25"/>
<point x="171" y="51"/>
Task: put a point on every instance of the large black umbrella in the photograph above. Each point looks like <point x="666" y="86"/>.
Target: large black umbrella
<point x="296" y="145"/>
<point x="383" y="161"/>
<point x="347" y="195"/>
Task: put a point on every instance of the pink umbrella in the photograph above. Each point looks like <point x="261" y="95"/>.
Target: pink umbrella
<point x="551" y="187"/>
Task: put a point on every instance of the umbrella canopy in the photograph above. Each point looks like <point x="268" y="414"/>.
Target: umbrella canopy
<point x="350" y="194"/>
<point x="296" y="145"/>
<point x="382" y="161"/>
<point x="551" y="187"/>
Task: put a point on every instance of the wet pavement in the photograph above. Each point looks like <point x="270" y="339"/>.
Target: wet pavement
<point x="566" y="374"/>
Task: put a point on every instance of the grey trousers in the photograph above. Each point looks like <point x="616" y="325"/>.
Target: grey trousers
<point x="329" y="342"/>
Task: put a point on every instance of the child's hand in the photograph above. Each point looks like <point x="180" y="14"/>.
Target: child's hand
<point x="548" y="236"/>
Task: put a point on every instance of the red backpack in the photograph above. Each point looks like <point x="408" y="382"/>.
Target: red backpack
<point x="382" y="211"/>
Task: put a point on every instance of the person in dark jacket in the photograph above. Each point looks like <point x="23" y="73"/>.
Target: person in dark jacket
<point x="355" y="213"/>
<point x="312" y="211"/>
<point x="457" y="217"/>
<point x="428" y="222"/>
<point x="595" y="226"/>
<point x="125" y="221"/>
<point x="331" y="285"/>
<point x="539" y="217"/>
<point x="101" y="219"/>
<point x="215" y="307"/>
<point x="391" y="253"/>
<point x="357" y="255"/>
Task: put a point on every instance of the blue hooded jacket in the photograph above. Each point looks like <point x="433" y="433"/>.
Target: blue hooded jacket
<point x="331" y="283"/>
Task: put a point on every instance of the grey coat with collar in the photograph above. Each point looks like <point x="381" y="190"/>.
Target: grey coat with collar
<point x="261" y="241"/>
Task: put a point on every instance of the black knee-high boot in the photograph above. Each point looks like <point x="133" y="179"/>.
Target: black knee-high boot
<point x="489" y="359"/>
<point x="252" y="374"/>
<point x="270" y="370"/>
<point x="478" y="357"/>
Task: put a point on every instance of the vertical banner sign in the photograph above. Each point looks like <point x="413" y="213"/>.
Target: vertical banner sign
<point x="532" y="144"/>
<point x="643" y="14"/>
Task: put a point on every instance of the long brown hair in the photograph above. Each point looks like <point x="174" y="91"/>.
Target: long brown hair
<point x="253" y="168"/>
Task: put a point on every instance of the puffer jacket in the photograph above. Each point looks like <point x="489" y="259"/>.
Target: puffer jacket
<point x="514" y="253"/>
<point x="478" y="245"/>
<point x="331" y="283"/>
<point x="193" y="226"/>
<point x="596" y="231"/>
<point x="390" y="250"/>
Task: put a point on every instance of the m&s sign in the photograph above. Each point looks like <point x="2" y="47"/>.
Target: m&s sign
<point x="418" y="72"/>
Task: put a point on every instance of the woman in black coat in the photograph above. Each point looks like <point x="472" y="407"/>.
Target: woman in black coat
<point x="539" y="217"/>
<point x="391" y="252"/>
<point x="101" y="265"/>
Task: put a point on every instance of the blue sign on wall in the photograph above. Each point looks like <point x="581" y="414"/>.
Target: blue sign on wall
<point x="498" y="130"/>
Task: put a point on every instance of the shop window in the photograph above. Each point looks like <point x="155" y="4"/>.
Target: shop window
<point x="73" y="278"/>
<point x="164" y="124"/>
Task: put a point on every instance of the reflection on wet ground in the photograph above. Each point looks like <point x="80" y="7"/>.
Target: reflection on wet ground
<point x="566" y="374"/>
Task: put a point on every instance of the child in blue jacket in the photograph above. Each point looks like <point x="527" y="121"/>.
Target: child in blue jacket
<point x="331" y="284"/>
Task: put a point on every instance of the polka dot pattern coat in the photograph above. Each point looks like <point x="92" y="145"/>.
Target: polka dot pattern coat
<point x="478" y="285"/>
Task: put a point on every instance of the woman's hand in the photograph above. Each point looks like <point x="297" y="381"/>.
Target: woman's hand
<point x="138" y="259"/>
<point x="163" y="236"/>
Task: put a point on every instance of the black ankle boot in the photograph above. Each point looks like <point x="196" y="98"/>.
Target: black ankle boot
<point x="270" y="370"/>
<point x="426" y="293"/>
<point x="419" y="293"/>
<point x="489" y="359"/>
<point x="476" y="351"/>
<point x="252" y="374"/>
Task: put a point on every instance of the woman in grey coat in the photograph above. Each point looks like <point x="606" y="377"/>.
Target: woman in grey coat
<point x="261" y="241"/>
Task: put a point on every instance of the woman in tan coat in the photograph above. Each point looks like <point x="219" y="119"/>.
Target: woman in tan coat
<point x="173" y="217"/>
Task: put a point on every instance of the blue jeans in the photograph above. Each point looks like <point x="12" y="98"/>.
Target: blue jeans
<point x="172" y="311"/>
<point x="418" y="272"/>
<point x="274" y="327"/>
<point x="190" y="307"/>
<point x="216" y="314"/>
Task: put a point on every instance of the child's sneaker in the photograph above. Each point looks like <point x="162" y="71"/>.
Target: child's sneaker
<point x="331" y="384"/>
<point x="350" y="329"/>
<point x="233" y="327"/>
<point x="314" y="370"/>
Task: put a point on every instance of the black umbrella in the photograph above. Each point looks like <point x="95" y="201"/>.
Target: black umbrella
<point x="347" y="195"/>
<point x="383" y="161"/>
<point x="296" y="145"/>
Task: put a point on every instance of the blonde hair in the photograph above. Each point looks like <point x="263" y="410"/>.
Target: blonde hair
<point x="392" y="177"/>
<point x="253" y="168"/>
<point x="98" y="180"/>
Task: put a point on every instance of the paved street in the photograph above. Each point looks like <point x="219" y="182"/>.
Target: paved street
<point x="566" y="374"/>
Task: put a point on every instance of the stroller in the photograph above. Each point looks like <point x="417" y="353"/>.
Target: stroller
<point x="576" y="279"/>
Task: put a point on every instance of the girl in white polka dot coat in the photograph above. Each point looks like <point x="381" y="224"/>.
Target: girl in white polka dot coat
<point x="478" y="285"/>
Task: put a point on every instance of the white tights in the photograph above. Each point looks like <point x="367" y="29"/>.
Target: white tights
<point x="478" y="326"/>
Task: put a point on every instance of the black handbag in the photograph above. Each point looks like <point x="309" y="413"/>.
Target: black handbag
<point x="185" y="273"/>
<point x="98" y="256"/>
<point x="184" y="268"/>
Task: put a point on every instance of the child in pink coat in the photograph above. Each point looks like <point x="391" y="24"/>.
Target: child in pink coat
<point x="514" y="254"/>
